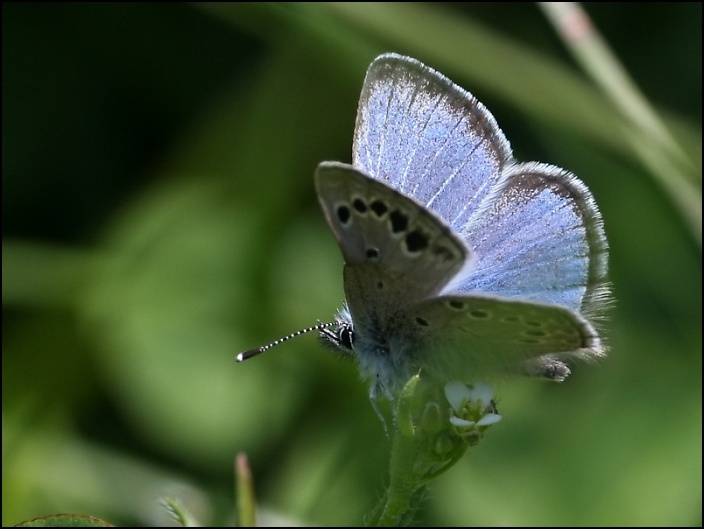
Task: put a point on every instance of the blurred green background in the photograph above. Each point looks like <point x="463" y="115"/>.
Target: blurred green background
<point x="159" y="217"/>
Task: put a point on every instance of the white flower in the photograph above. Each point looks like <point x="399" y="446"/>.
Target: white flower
<point x="458" y="394"/>
<point x="489" y="419"/>
<point x="473" y="405"/>
<point x="461" y="423"/>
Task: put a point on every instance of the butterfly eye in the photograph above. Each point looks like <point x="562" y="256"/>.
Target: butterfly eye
<point x="344" y="337"/>
<point x="339" y="335"/>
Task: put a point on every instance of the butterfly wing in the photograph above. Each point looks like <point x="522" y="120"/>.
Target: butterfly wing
<point x="386" y="239"/>
<point x="539" y="238"/>
<point x="482" y="334"/>
<point x="428" y="138"/>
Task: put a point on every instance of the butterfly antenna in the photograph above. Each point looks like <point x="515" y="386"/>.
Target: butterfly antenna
<point x="254" y="352"/>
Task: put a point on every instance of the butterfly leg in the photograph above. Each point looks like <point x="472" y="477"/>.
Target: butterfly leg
<point x="547" y="367"/>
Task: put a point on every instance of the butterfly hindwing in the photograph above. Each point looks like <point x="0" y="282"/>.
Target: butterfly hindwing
<point x="479" y="334"/>
<point x="539" y="238"/>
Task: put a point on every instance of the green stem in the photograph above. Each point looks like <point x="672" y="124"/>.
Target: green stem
<point x="424" y="444"/>
<point x="405" y="481"/>
<point x="408" y="467"/>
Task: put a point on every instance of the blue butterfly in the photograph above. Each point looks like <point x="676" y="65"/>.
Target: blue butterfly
<point x="459" y="261"/>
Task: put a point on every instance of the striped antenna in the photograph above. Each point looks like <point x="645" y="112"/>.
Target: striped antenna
<point x="254" y="352"/>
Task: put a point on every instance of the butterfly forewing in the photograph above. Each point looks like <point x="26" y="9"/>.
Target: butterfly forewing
<point x="388" y="241"/>
<point x="428" y="138"/>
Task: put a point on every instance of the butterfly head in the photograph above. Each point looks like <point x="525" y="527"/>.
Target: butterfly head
<point x="339" y="335"/>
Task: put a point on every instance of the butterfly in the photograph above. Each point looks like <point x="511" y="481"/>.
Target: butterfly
<point x="459" y="262"/>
